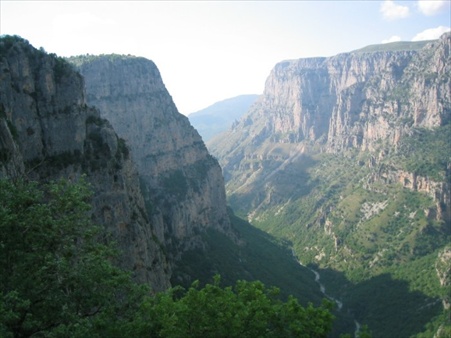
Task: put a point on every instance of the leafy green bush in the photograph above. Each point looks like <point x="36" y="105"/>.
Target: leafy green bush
<point x="248" y="309"/>
<point x="56" y="275"/>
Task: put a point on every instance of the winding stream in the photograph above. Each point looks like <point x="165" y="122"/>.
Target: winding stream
<point x="322" y="288"/>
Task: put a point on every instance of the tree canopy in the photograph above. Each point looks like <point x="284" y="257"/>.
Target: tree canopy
<point x="58" y="279"/>
<point x="56" y="273"/>
<point x="248" y="309"/>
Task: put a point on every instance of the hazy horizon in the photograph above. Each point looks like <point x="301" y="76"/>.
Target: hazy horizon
<point x="209" y="51"/>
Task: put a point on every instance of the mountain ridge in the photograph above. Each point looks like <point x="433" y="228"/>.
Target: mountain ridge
<point x="393" y="46"/>
<point x="346" y="157"/>
<point x="219" y="116"/>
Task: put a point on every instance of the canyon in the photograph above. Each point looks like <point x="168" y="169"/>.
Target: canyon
<point x="343" y="160"/>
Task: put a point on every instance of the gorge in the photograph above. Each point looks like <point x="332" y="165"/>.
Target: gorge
<point x="344" y="160"/>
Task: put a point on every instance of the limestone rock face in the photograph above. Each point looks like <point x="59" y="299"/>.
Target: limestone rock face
<point x="351" y="100"/>
<point x="347" y="157"/>
<point x="181" y="181"/>
<point x="439" y="191"/>
<point x="47" y="131"/>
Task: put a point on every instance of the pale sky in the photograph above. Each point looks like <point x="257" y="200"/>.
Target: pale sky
<point x="208" y="51"/>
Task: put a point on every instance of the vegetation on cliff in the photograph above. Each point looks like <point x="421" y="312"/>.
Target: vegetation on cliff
<point x="347" y="158"/>
<point x="362" y="234"/>
<point x="47" y="131"/>
<point x="57" y="279"/>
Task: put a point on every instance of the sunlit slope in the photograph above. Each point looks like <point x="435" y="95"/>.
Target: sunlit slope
<point x="348" y="158"/>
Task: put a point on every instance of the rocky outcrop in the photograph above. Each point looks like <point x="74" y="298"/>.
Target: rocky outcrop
<point x="351" y="100"/>
<point x="182" y="182"/>
<point x="440" y="192"/>
<point x="443" y="269"/>
<point x="347" y="158"/>
<point x="48" y="131"/>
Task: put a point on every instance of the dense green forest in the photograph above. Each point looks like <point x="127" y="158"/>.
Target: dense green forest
<point x="58" y="279"/>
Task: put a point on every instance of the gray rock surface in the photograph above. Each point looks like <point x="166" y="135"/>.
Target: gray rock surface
<point x="181" y="181"/>
<point x="47" y="131"/>
<point x="351" y="100"/>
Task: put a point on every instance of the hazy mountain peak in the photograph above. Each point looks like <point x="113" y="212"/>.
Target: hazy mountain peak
<point x="220" y="116"/>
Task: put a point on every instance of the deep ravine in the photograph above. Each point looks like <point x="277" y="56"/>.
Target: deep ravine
<point x="323" y="291"/>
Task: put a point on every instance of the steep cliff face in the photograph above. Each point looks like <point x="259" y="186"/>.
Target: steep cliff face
<point x="443" y="268"/>
<point x="347" y="157"/>
<point x="439" y="191"/>
<point x="48" y="131"/>
<point x="352" y="100"/>
<point x="182" y="182"/>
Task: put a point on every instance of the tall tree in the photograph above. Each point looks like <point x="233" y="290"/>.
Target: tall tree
<point x="55" y="273"/>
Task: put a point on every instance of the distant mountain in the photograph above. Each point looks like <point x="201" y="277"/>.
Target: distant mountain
<point x="219" y="117"/>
